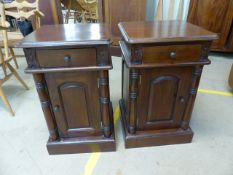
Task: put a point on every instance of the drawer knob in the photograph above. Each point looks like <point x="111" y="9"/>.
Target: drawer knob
<point x="182" y="100"/>
<point x="173" y="55"/>
<point x="67" y="58"/>
<point x="56" y="108"/>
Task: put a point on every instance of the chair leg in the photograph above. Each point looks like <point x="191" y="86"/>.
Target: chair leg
<point x="68" y="12"/>
<point x="14" y="57"/>
<point x="67" y="17"/>
<point x="14" y="72"/>
<point x="3" y="63"/>
<point x="6" y="102"/>
<point x="83" y="17"/>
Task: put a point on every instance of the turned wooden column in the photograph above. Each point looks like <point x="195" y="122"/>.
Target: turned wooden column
<point x="194" y="86"/>
<point x="192" y="96"/>
<point x="46" y="106"/>
<point x="133" y="93"/>
<point x="105" y="100"/>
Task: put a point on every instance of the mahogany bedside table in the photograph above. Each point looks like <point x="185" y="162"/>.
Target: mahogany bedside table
<point x="162" y="66"/>
<point x="70" y="66"/>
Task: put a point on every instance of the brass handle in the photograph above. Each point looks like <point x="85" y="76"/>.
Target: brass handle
<point x="173" y="55"/>
<point x="56" y="108"/>
<point x="67" y="58"/>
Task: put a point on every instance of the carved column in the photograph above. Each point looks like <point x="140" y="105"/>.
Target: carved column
<point x="30" y="55"/>
<point x="133" y="93"/>
<point x="105" y="100"/>
<point x="205" y="51"/>
<point x="103" y="56"/>
<point x="46" y="106"/>
<point x="192" y="95"/>
<point x="136" y="55"/>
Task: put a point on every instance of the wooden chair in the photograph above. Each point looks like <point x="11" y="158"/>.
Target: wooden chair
<point x="5" y="64"/>
<point x="20" y="9"/>
<point x="9" y="44"/>
<point x="91" y="10"/>
<point x="74" y="10"/>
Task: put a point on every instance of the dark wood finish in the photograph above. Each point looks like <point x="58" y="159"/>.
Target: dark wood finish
<point x="172" y="53"/>
<point x="115" y="12"/>
<point x="229" y="46"/>
<point x="216" y="16"/>
<point x="163" y="32"/>
<point x="46" y="106"/>
<point x="67" y="57"/>
<point x="67" y="35"/>
<point x="101" y="13"/>
<point x="74" y="97"/>
<point x="115" y="51"/>
<point x="167" y="91"/>
<point x="71" y="75"/>
<point x="137" y="59"/>
<point x="52" y="11"/>
<point x="67" y="69"/>
<point x="230" y="79"/>
<point x="82" y="144"/>
<point x="153" y="137"/>
<point x="105" y="101"/>
<point x="161" y="74"/>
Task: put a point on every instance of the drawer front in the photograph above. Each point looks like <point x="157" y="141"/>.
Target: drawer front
<point x="172" y="54"/>
<point x="67" y="57"/>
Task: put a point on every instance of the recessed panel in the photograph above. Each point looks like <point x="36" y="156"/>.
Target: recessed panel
<point x="162" y="98"/>
<point x="76" y="110"/>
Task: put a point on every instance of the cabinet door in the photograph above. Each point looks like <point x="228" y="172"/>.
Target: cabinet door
<point x="75" y="101"/>
<point x="163" y="93"/>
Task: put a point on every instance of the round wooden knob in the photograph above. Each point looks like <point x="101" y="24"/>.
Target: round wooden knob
<point x="67" y="58"/>
<point x="182" y="100"/>
<point x="173" y="55"/>
<point x="56" y="108"/>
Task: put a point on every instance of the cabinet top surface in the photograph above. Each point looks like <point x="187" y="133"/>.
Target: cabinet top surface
<point x="163" y="31"/>
<point x="67" y="35"/>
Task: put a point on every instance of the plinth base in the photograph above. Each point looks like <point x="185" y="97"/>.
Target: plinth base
<point x="153" y="137"/>
<point x="88" y="144"/>
<point x="82" y="145"/>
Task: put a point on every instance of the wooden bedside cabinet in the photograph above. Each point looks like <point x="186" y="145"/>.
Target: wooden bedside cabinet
<point x="162" y="66"/>
<point x="70" y="66"/>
